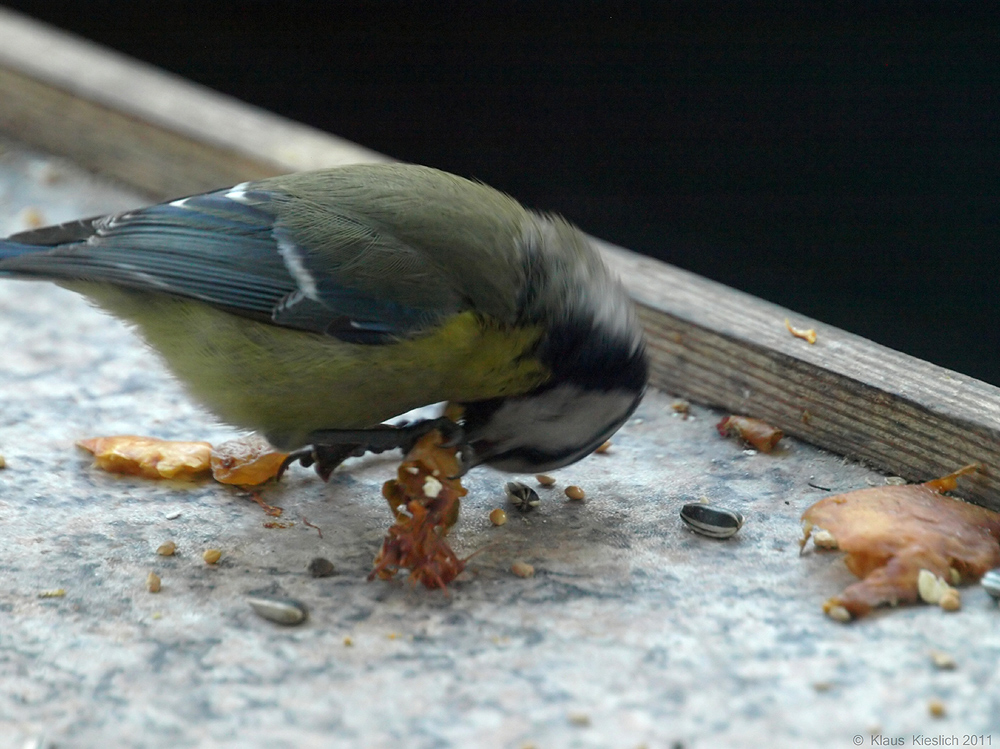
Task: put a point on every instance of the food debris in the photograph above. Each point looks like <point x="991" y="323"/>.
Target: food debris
<point x="930" y="587"/>
<point x="545" y="480"/>
<point x="522" y="496"/>
<point x="991" y="582"/>
<point x="32" y="218"/>
<point x="715" y="522"/>
<point x="348" y="642"/>
<point x="274" y="512"/>
<point x="3" y="462"/>
<point x="823" y="539"/>
<point x="279" y="610"/>
<point x="942" y="660"/>
<point x="321" y="567"/>
<point x="166" y="549"/>
<point x="417" y="539"/>
<point x="212" y="556"/>
<point x="755" y="432"/>
<point x="681" y="407"/>
<point x="575" y="493"/>
<point x="580" y="720"/>
<point x="305" y="521"/>
<point x="247" y="461"/>
<point x="153" y="582"/>
<point x="951" y="600"/>
<point x="605" y="446"/>
<point x="894" y="534"/>
<point x="498" y="517"/>
<point x="522" y="569"/>
<point x="57" y="593"/>
<point x="936" y="708"/>
<point x="806" y="334"/>
<point x="149" y="457"/>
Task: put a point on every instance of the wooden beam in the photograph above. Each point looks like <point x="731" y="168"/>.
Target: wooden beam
<point x="156" y="131"/>
<point x="721" y="347"/>
<point x="708" y="342"/>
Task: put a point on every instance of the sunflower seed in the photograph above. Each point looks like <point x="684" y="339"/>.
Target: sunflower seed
<point x="522" y="496"/>
<point x="991" y="581"/>
<point x="711" y="521"/>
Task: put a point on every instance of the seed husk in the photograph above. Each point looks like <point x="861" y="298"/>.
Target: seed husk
<point x="321" y="567"/>
<point x="575" y="493"/>
<point x="153" y="582"/>
<point x="522" y="496"/>
<point x="279" y="610"/>
<point x="991" y="582"/>
<point x="714" y="522"/>
<point x="211" y="556"/>
<point x="545" y="480"/>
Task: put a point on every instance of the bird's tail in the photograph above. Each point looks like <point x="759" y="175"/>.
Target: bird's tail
<point x="11" y="253"/>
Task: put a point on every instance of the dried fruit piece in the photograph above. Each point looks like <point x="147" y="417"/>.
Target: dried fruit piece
<point x="892" y="533"/>
<point x="424" y="511"/>
<point x="754" y="432"/>
<point x="248" y="461"/>
<point x="149" y="457"/>
<point x="806" y="334"/>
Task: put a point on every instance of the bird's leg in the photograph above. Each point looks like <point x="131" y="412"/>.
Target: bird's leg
<point x="331" y="447"/>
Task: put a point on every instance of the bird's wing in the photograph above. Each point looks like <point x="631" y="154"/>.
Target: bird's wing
<point x="229" y="248"/>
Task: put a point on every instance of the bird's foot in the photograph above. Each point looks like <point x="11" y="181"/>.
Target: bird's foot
<point x="331" y="447"/>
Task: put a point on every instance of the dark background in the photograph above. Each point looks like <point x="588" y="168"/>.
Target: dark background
<point x="843" y="163"/>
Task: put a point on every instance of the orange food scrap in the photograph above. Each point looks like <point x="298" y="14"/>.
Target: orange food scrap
<point x="246" y="462"/>
<point x="892" y="533"/>
<point x="149" y="457"/>
<point x="757" y="433"/>
<point x="424" y="500"/>
<point x="806" y="334"/>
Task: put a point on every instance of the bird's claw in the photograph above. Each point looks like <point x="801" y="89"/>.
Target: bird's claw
<point x="332" y="447"/>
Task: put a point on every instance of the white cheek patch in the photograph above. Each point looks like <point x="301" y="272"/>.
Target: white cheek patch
<point x="563" y="419"/>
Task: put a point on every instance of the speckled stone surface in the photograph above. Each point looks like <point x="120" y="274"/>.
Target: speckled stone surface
<point x="633" y="632"/>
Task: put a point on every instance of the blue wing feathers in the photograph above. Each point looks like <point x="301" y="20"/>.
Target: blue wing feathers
<point x="219" y="250"/>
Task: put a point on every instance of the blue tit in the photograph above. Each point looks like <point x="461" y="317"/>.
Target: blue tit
<point x="312" y="307"/>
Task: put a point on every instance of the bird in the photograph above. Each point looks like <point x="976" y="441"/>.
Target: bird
<point x="313" y="307"/>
